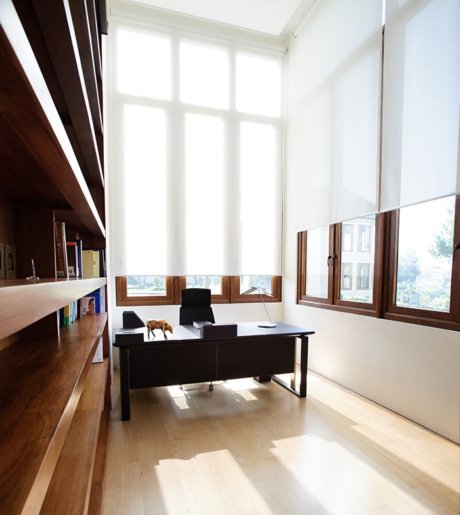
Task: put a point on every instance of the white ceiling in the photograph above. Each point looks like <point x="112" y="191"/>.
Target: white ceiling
<point x="274" y="17"/>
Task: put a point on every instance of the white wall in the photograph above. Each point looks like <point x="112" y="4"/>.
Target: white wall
<point x="410" y="369"/>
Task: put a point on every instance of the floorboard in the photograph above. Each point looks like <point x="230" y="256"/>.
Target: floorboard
<point x="250" y="448"/>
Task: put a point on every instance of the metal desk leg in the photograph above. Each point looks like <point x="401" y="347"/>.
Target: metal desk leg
<point x="302" y="391"/>
<point x="124" y="384"/>
<point x="303" y="366"/>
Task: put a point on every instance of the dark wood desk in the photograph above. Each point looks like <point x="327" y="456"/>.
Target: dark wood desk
<point x="184" y="357"/>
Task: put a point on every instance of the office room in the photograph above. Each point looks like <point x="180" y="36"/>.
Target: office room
<point x="292" y="164"/>
<point x="338" y="154"/>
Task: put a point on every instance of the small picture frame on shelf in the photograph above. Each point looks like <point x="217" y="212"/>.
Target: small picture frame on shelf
<point x="10" y="261"/>
<point x="2" y="261"/>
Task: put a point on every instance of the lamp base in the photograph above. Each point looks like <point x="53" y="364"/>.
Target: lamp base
<point x="266" y="324"/>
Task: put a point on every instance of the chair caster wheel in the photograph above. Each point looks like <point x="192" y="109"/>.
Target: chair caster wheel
<point x="211" y="387"/>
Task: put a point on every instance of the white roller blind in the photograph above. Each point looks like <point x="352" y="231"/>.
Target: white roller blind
<point x="333" y="119"/>
<point x="420" y="140"/>
<point x="195" y="156"/>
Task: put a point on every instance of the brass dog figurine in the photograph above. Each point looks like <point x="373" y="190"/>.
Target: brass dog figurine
<point x="164" y="325"/>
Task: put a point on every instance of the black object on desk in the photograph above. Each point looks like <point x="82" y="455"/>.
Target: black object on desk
<point x="131" y="320"/>
<point x="185" y="357"/>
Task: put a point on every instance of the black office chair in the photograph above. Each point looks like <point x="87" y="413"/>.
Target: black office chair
<point x="196" y="307"/>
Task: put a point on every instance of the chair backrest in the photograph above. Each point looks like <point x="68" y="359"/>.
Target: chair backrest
<point x="196" y="306"/>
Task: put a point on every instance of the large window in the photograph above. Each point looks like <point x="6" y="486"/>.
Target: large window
<point x="196" y="166"/>
<point x="402" y="265"/>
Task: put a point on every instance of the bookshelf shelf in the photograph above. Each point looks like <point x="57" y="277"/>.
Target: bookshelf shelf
<point x="23" y="302"/>
<point x="55" y="400"/>
<point x="35" y="427"/>
<point x="77" y="456"/>
<point x="39" y="139"/>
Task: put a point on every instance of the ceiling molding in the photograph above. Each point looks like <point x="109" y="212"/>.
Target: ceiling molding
<point x="276" y="18"/>
<point x="137" y="12"/>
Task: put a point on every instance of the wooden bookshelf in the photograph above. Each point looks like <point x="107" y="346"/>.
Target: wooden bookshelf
<point x="55" y="401"/>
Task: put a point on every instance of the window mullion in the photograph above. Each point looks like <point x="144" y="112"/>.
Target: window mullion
<point x="334" y="264"/>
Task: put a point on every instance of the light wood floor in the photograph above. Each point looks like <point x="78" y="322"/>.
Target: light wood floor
<point x="249" y="448"/>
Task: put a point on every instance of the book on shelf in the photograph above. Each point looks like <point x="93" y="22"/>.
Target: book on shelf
<point x="61" y="249"/>
<point x="90" y="263"/>
<point x="10" y="261"/>
<point x="66" y="316"/>
<point x="2" y="261"/>
<point x="102" y="263"/>
<point x="72" y="259"/>
<point x="78" y="245"/>
<point x="79" y="257"/>
<point x="94" y="263"/>
<point x="99" y="299"/>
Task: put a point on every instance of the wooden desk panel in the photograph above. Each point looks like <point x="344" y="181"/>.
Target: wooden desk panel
<point x="166" y="365"/>
<point x="251" y="357"/>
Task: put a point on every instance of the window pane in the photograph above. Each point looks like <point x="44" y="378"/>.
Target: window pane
<point x="145" y="176"/>
<point x="258" y="196"/>
<point x="347" y="237"/>
<point x="317" y="269"/>
<point x="365" y="237"/>
<point x="363" y="276"/>
<point x="204" y="75"/>
<point x="144" y="65"/>
<point x="425" y="245"/>
<point x="148" y="285"/>
<point x="357" y="260"/>
<point x="258" y="85"/>
<point x="262" y="281"/>
<point x="347" y="276"/>
<point x="204" y="182"/>
<point x="213" y="282"/>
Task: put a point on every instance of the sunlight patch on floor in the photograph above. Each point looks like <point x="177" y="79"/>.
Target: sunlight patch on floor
<point x="237" y="385"/>
<point x="231" y="492"/>
<point x="354" y="479"/>
<point x="181" y="394"/>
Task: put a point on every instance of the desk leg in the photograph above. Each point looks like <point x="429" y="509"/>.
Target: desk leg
<point x="124" y="384"/>
<point x="302" y="391"/>
<point x="303" y="366"/>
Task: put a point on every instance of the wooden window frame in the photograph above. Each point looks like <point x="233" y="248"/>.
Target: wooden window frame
<point x="220" y="298"/>
<point x="175" y="284"/>
<point x="172" y="294"/>
<point x="333" y="300"/>
<point x="302" y="297"/>
<point x="237" y="297"/>
<point x="385" y="269"/>
<point x="443" y="320"/>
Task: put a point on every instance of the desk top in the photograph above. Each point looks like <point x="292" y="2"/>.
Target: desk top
<point x="185" y="333"/>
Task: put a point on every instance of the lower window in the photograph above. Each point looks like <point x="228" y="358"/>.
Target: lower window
<point x="135" y="290"/>
<point x="402" y="265"/>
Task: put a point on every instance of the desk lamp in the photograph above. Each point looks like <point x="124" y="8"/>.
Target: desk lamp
<point x="268" y="324"/>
